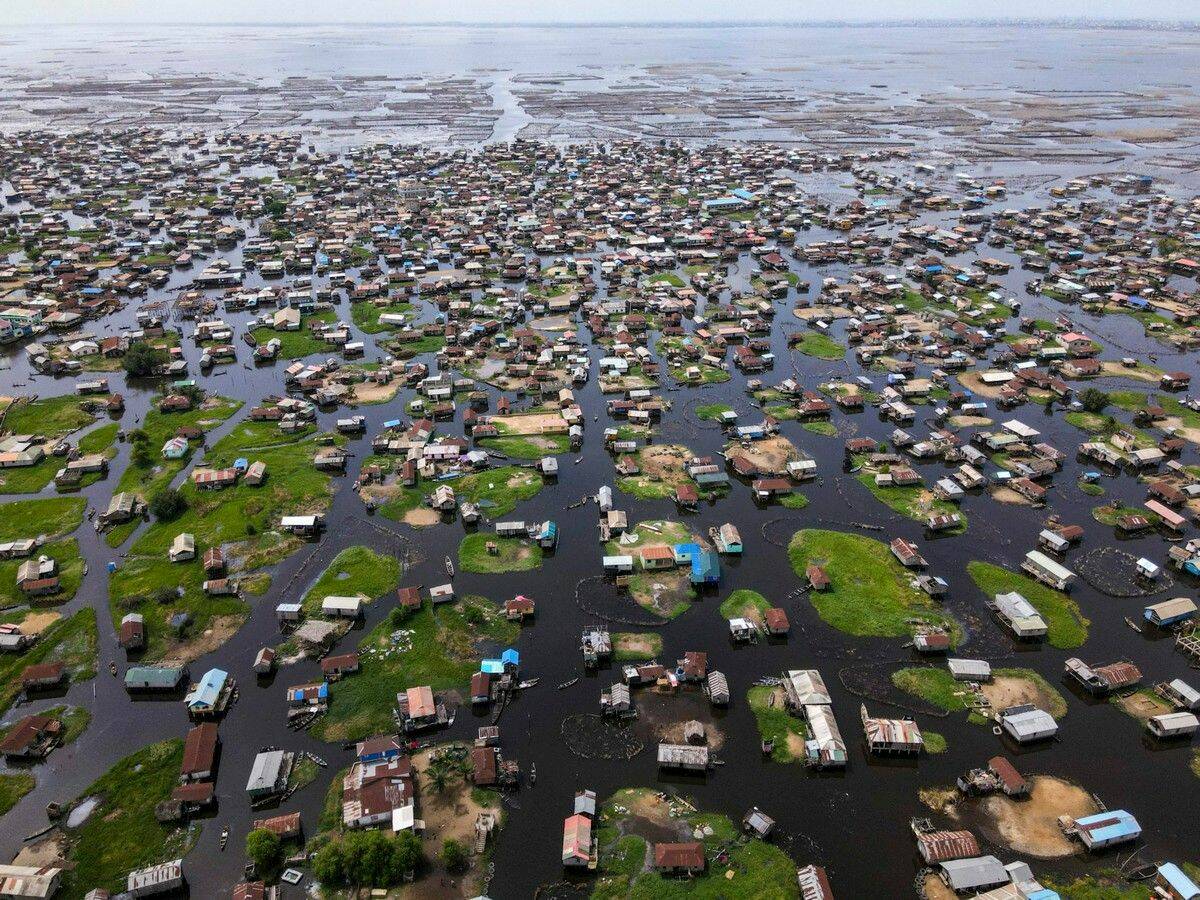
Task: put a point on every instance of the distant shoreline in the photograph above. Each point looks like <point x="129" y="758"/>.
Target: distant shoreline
<point x="1068" y="24"/>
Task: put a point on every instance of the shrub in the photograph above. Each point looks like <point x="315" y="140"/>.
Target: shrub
<point x="1094" y="400"/>
<point x="168" y="504"/>
<point x="454" y="856"/>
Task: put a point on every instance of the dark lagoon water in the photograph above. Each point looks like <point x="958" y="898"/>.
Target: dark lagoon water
<point x="854" y="822"/>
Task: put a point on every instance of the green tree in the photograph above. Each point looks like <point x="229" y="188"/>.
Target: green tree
<point x="141" y="360"/>
<point x="168" y="504"/>
<point x="264" y="849"/>
<point x="1094" y="400"/>
<point x="454" y="856"/>
<point x="329" y="865"/>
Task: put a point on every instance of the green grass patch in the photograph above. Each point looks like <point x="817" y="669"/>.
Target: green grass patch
<point x="744" y="603"/>
<point x="937" y="686"/>
<point x="149" y="475"/>
<point x="51" y="417"/>
<point x="712" y="411"/>
<point x="365" y="315"/>
<point x="499" y="490"/>
<point x="512" y="554"/>
<point x="528" y="446"/>
<point x="1106" y="885"/>
<point x="870" y="594"/>
<point x="301" y="343"/>
<point x="631" y="646"/>
<point x="14" y="786"/>
<point x="794" y="500"/>
<point x="71" y="641"/>
<point x="819" y="345"/>
<point x="666" y="278"/>
<point x="914" y="502"/>
<point x="775" y="723"/>
<point x="825" y="429"/>
<point x="934" y="742"/>
<point x="1090" y="488"/>
<point x="51" y="517"/>
<point x="69" y="570"/>
<point x="303" y="773"/>
<point x="1067" y="626"/>
<point x="242" y="519"/>
<point x="1110" y="513"/>
<point x="356" y="570"/>
<point x="439" y="647"/>
<point x="644" y="488"/>
<point x="753" y="869"/>
<point x="122" y="834"/>
<point x="100" y="440"/>
<point x="30" y="479"/>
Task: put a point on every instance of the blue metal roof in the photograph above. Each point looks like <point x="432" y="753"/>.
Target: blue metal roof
<point x="492" y="667"/>
<point x="208" y="691"/>
<point x="510" y="657"/>
<point x="1120" y="824"/>
<point x="1178" y="880"/>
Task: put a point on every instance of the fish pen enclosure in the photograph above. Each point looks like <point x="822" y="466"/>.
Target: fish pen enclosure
<point x="590" y="736"/>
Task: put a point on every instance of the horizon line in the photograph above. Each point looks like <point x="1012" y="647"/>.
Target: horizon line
<point x="1035" y="21"/>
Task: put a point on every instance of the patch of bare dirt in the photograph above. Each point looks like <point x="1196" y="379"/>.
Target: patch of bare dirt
<point x="374" y="392"/>
<point x="1006" y="690"/>
<point x="35" y="623"/>
<point x="531" y="423"/>
<point x="769" y="456"/>
<point x="220" y="629"/>
<point x="1008" y="495"/>
<point x="1031" y="826"/>
<point x="422" y="517"/>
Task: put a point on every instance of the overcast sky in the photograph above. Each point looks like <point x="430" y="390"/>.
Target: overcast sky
<point x="33" y="12"/>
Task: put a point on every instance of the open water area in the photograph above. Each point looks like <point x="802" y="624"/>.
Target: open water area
<point x="794" y="85"/>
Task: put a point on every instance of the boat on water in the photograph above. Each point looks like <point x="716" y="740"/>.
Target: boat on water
<point x="528" y="683"/>
<point x="449" y="567"/>
<point x="224" y="836"/>
<point x="532" y="774"/>
<point x="567" y="684"/>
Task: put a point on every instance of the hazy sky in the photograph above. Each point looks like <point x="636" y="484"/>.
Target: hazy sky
<point x="32" y="12"/>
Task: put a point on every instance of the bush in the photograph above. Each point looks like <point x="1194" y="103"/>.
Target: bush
<point x="166" y="595"/>
<point x="141" y="360"/>
<point x="454" y="856"/>
<point x="265" y="850"/>
<point x="1094" y="400"/>
<point x="168" y="504"/>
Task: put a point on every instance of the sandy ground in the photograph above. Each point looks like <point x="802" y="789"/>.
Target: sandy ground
<point x="551" y="323"/>
<point x="769" y="456"/>
<point x="1115" y="369"/>
<point x="450" y="814"/>
<point x="373" y="392"/>
<point x="1030" y="826"/>
<point x="972" y="382"/>
<point x="1008" y="495"/>
<point x="808" y="313"/>
<point x="1189" y="434"/>
<point x="1141" y="706"/>
<point x="941" y="800"/>
<point x="1004" y="691"/>
<point x="37" y="622"/>
<point x="422" y="517"/>
<point x="531" y="423"/>
<point x="221" y="629"/>
<point x="665" y="462"/>
<point x="50" y="851"/>
<point x="935" y="889"/>
<point x="970" y="421"/>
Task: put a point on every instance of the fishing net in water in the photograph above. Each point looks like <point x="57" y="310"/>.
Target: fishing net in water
<point x="1114" y="572"/>
<point x="599" y="597"/>
<point x="590" y="736"/>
